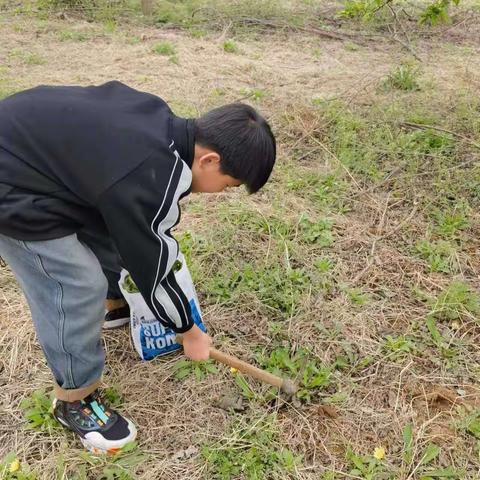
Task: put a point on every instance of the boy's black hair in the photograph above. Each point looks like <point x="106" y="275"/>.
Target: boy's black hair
<point x="244" y="141"/>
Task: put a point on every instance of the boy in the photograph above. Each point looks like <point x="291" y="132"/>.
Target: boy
<point x="90" y="179"/>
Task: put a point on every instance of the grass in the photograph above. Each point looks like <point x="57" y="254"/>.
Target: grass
<point x="250" y="449"/>
<point x="230" y="46"/>
<point x="27" y="58"/>
<point x="457" y="301"/>
<point x="354" y="272"/>
<point x="164" y="48"/>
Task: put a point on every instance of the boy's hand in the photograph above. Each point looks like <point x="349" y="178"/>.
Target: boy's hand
<point x="196" y="344"/>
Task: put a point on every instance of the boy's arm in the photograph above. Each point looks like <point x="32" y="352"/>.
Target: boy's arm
<point x="139" y="211"/>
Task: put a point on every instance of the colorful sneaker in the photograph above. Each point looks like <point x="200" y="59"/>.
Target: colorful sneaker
<point x="101" y="430"/>
<point x="117" y="318"/>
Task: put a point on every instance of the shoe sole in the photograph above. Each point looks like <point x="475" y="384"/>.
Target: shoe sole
<point x="96" y="450"/>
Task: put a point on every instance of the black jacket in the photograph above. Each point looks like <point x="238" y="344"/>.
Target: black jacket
<point x="108" y="158"/>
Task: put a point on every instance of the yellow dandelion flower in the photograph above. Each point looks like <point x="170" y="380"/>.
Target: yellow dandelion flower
<point x="379" y="453"/>
<point x="233" y="370"/>
<point x="14" y="466"/>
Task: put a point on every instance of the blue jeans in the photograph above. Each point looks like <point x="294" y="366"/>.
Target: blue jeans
<point x="66" y="288"/>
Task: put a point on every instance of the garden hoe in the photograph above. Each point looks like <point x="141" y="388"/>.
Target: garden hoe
<point x="285" y="385"/>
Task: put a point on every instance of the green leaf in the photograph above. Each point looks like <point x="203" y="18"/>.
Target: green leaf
<point x="210" y="368"/>
<point x="432" y="328"/>
<point x="432" y="451"/>
<point x="181" y="374"/>
<point x="357" y="461"/>
<point x="247" y="392"/>
<point x="408" y="443"/>
<point x="448" y="472"/>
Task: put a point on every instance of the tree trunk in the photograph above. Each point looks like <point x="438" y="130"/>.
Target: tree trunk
<point x="147" y="7"/>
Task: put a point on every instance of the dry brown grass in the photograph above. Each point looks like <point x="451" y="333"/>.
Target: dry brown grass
<point x="369" y="254"/>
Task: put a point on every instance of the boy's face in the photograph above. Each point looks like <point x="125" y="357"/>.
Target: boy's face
<point x="207" y="176"/>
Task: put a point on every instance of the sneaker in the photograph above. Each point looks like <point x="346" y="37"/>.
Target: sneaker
<point x="117" y="318"/>
<point x="101" y="430"/>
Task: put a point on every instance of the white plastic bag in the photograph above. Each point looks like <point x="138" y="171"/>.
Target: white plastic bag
<point x="150" y="338"/>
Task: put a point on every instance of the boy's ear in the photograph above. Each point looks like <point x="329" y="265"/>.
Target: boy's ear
<point x="209" y="159"/>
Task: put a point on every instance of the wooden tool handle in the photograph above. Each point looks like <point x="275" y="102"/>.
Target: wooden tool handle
<point x="242" y="366"/>
<point x="246" y="368"/>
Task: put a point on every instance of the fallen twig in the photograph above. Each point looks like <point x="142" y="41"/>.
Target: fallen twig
<point x="433" y="127"/>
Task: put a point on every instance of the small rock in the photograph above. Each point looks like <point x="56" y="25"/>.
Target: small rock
<point x="327" y="411"/>
<point x="234" y="402"/>
<point x="296" y="402"/>
<point x="189" y="452"/>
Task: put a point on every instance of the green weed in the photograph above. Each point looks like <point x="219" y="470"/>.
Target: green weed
<point x="354" y="142"/>
<point x="38" y="410"/>
<point x="452" y="221"/>
<point x="330" y="192"/>
<point x="73" y="36"/>
<point x="196" y="249"/>
<point x="356" y="296"/>
<point x="457" y="301"/>
<point x="437" y="12"/>
<point x="245" y="219"/>
<point x="318" y="233"/>
<point x="244" y="387"/>
<point x="423" y="468"/>
<point x="251" y="451"/>
<point x="329" y="475"/>
<point x="359" y="9"/>
<point x="402" y="77"/>
<point x="301" y="366"/>
<point x="164" y="48"/>
<point x="469" y="422"/>
<point x="230" y="46"/>
<point x="323" y="265"/>
<point x="12" y="469"/>
<point x="274" y="286"/>
<point x="327" y="192"/>
<point x="429" y="141"/>
<point x="256" y="94"/>
<point x="407" y="452"/>
<point x="399" y="347"/>
<point x="364" y="467"/>
<point x="440" y="256"/>
<point x="435" y="334"/>
<point x="79" y="472"/>
<point x="113" y="396"/>
<point x="110" y="26"/>
<point x="200" y="370"/>
<point x="301" y="183"/>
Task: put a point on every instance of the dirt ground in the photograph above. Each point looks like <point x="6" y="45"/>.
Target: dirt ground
<point x="373" y="405"/>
